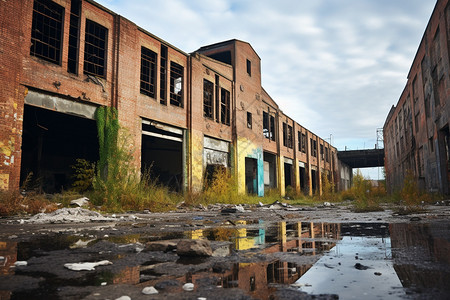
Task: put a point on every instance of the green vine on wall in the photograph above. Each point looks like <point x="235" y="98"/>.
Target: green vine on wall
<point x="108" y="130"/>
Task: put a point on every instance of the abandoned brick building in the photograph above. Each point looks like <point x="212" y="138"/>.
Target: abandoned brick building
<point x="416" y="131"/>
<point x="185" y="113"/>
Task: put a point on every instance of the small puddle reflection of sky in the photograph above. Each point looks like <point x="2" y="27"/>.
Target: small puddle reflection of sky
<point x="356" y="268"/>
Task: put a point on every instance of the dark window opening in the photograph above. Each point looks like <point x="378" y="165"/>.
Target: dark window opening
<point x="321" y="152"/>
<point x="163" y="76"/>
<point x="299" y="140"/>
<point x="302" y="173"/>
<point x="148" y="72"/>
<point x="304" y="143"/>
<point x="225" y="106"/>
<point x="74" y="36"/>
<point x="327" y="156"/>
<point x="208" y="93"/>
<point x="176" y="84"/>
<point x="46" y="30"/>
<point x="217" y="87"/>
<point x="95" y="49"/>
<point x="51" y="143"/>
<point x="249" y="120"/>
<point x="249" y="67"/>
<point x="224" y="57"/>
<point x="313" y="147"/>
<point x="287" y="136"/>
<point x="287" y="175"/>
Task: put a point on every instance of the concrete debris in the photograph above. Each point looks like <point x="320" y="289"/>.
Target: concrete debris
<point x="359" y="266"/>
<point x="277" y="205"/>
<point x="68" y="215"/>
<point x="80" y="201"/>
<point x="165" y="246"/>
<point x="123" y="298"/>
<point x="80" y="244"/>
<point x="149" y="290"/>
<point x="194" y="248"/>
<point x="328" y="204"/>
<point x="20" y="263"/>
<point x="188" y="287"/>
<point x="240" y="208"/>
<point x="86" y="266"/>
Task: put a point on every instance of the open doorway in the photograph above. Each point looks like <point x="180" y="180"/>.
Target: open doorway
<point x="270" y="175"/>
<point x="51" y="143"/>
<point x="287" y="175"/>
<point x="303" y="186"/>
<point x="251" y="179"/>
<point x="314" y="181"/>
<point x="162" y="154"/>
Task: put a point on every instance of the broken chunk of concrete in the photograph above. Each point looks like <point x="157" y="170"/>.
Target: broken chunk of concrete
<point x="20" y="263"/>
<point x="188" y="287"/>
<point x="194" y="248"/>
<point x="165" y="246"/>
<point x="86" y="266"/>
<point x="149" y="290"/>
<point x="80" y="201"/>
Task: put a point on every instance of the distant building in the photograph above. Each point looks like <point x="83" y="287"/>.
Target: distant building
<point x="186" y="114"/>
<point x="416" y="131"/>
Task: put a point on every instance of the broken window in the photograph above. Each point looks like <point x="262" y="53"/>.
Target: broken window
<point x="176" y="84"/>
<point x="74" y="33"/>
<point x="249" y="67"/>
<point x="299" y="140"/>
<point x="287" y="135"/>
<point x="163" y="76"/>
<point x="148" y="72"/>
<point x="327" y="158"/>
<point x="321" y="152"/>
<point x="225" y="106"/>
<point x="208" y="92"/>
<point x="217" y="88"/>
<point x="272" y="128"/>
<point x="313" y="147"/>
<point x="249" y="120"/>
<point x="268" y="126"/>
<point x="95" y="49"/>
<point x="46" y="30"/>
<point x="303" y="143"/>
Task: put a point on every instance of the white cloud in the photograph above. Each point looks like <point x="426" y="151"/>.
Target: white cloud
<point x="334" y="66"/>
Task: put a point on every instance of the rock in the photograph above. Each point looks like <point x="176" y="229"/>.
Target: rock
<point x="328" y="204"/>
<point x="377" y="273"/>
<point x="240" y="208"/>
<point x="221" y="249"/>
<point x="67" y="215"/>
<point x="20" y="263"/>
<point x="149" y="290"/>
<point x="165" y="246"/>
<point x="194" y="248"/>
<point x="86" y="266"/>
<point x="124" y="298"/>
<point x="188" y="287"/>
<point x="167" y="284"/>
<point x="227" y="211"/>
<point x="361" y="267"/>
<point x="80" y="201"/>
<point x="415" y="219"/>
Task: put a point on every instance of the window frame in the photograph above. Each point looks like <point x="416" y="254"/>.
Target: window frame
<point x="151" y="58"/>
<point x="91" y="59"/>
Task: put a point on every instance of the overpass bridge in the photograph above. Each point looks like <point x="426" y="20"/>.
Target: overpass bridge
<point x="367" y="158"/>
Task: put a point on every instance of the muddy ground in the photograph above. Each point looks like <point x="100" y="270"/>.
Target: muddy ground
<point x="141" y="247"/>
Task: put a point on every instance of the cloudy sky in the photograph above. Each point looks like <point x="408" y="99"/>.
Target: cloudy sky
<point x="334" y="66"/>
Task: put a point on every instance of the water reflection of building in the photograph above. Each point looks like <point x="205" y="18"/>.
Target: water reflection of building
<point x="259" y="278"/>
<point x="421" y="255"/>
<point x="8" y="252"/>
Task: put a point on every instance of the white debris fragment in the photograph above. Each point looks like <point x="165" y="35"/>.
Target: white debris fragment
<point x="80" y="244"/>
<point x="240" y="208"/>
<point x="80" y="201"/>
<point x="67" y="215"/>
<point x="188" y="287"/>
<point x="149" y="290"/>
<point x="20" y="263"/>
<point x="103" y="283"/>
<point x="86" y="266"/>
<point x="124" y="298"/>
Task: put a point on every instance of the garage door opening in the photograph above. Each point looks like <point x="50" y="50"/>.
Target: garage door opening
<point x="51" y="144"/>
<point x="162" y="154"/>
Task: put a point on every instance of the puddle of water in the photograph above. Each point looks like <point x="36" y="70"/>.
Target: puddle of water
<point x="353" y="261"/>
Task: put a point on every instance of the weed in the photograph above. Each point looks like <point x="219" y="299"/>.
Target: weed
<point x="84" y="172"/>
